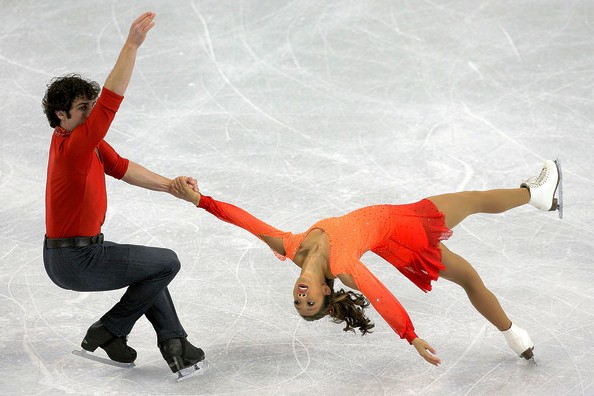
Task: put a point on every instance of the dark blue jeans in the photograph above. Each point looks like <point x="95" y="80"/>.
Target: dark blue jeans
<point x="146" y="271"/>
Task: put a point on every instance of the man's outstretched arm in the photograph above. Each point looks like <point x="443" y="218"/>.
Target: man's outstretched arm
<point x="118" y="79"/>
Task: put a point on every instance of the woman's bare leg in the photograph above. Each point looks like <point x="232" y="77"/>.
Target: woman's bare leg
<point x="459" y="271"/>
<point x="457" y="206"/>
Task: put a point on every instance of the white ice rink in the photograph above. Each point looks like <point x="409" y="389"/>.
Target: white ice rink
<point x="299" y="110"/>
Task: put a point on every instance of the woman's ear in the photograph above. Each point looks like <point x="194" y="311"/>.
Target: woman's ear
<point x="326" y="290"/>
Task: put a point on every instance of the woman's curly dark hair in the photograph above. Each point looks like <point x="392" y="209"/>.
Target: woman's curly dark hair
<point x="345" y="306"/>
<point x="63" y="91"/>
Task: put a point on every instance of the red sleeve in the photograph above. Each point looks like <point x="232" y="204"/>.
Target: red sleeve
<point x="114" y="165"/>
<point x="239" y="217"/>
<point x="383" y="301"/>
<point x="89" y="134"/>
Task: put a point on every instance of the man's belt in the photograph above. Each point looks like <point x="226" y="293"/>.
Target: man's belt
<point x="55" y="243"/>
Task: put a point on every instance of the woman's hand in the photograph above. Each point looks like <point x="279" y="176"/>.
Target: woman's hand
<point x="185" y="188"/>
<point x="426" y="351"/>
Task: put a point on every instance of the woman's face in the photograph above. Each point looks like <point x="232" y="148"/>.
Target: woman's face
<point x="308" y="295"/>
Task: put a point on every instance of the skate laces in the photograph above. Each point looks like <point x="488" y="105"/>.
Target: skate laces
<point x="537" y="181"/>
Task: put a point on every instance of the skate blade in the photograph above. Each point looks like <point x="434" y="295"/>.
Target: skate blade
<point x="103" y="360"/>
<point x="560" y="189"/>
<point x="191" y="371"/>
<point x="528" y="354"/>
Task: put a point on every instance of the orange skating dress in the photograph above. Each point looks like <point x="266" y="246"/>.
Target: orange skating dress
<point x="407" y="236"/>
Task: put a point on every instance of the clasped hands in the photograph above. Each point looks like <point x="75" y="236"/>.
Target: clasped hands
<point x="186" y="188"/>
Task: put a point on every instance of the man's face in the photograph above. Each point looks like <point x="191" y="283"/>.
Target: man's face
<point x="80" y="110"/>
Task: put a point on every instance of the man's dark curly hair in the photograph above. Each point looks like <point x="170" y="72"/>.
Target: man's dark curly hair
<point x="63" y="91"/>
<point x="344" y="306"/>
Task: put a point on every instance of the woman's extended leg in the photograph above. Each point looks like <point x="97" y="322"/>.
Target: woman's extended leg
<point x="457" y="206"/>
<point x="459" y="271"/>
<point x="538" y="191"/>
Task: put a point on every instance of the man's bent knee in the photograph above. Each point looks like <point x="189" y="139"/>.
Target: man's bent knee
<point x="174" y="262"/>
<point x="169" y="261"/>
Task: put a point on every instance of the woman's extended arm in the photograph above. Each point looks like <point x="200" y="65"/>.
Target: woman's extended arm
<point x="232" y="214"/>
<point x="390" y="309"/>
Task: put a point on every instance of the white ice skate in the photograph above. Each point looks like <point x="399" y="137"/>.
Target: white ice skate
<point x="546" y="188"/>
<point x="519" y="341"/>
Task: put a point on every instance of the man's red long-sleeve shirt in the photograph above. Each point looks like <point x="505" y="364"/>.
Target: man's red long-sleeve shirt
<point x="75" y="194"/>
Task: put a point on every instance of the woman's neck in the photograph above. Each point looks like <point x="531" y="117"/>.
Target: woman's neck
<point x="313" y="253"/>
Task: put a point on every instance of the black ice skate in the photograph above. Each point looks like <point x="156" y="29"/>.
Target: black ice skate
<point x="182" y="357"/>
<point x="117" y="349"/>
<point x="546" y="189"/>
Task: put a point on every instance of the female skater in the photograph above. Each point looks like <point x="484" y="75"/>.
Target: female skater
<point x="408" y="236"/>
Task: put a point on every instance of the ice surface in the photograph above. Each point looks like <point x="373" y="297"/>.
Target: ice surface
<point x="299" y="110"/>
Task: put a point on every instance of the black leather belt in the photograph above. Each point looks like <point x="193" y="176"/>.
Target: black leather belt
<point x="54" y="243"/>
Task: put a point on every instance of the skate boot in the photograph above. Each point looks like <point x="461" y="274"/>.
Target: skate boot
<point x="116" y="347"/>
<point x="180" y="354"/>
<point x="519" y="341"/>
<point x="544" y="186"/>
